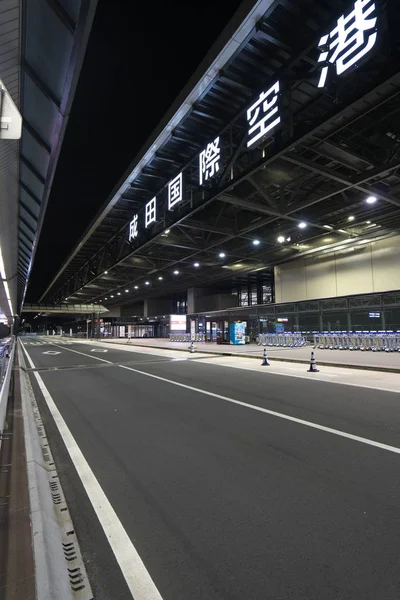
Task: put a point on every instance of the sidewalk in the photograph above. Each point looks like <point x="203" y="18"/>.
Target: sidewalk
<point x="377" y="361"/>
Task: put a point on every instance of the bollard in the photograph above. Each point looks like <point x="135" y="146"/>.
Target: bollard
<point x="192" y="348"/>
<point x="265" y="362"/>
<point x="313" y="364"/>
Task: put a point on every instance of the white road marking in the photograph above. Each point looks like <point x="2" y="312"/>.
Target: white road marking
<point x="99" y="350"/>
<point x="138" y="579"/>
<point x="88" y="355"/>
<point x="337" y="432"/>
<point x="51" y="352"/>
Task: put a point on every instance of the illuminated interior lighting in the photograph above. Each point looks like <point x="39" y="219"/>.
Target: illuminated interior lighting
<point x="342" y="231"/>
<point x="302" y="225"/>
<point x="112" y="296"/>
<point x="351" y="218"/>
<point x="160" y="279"/>
<point x="327" y="227"/>
<point x="105" y="298"/>
<point x="167" y="231"/>
<point x="222" y="254"/>
<point x="368" y="222"/>
<point x="281" y="239"/>
<point x="372" y="225"/>
<point x="105" y="272"/>
<point x="196" y="264"/>
<point x="119" y="293"/>
<point x="256" y="242"/>
<point x="371" y="199"/>
<point x="126" y="291"/>
<point x="176" y="272"/>
<point x="136" y="287"/>
<point x="147" y="282"/>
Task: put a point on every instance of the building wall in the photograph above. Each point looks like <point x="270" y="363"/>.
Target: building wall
<point x="373" y="267"/>
<point x="215" y="302"/>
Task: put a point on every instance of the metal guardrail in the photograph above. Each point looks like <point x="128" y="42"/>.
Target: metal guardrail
<point x="187" y="337"/>
<point x="6" y="361"/>
<point x="360" y="340"/>
<point x="283" y="340"/>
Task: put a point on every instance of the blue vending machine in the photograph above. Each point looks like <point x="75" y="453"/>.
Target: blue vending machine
<point x="237" y="332"/>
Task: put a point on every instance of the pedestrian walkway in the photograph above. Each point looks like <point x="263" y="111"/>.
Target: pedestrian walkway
<point x="382" y="361"/>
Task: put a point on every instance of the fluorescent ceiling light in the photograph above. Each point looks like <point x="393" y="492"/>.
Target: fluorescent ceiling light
<point x="196" y="264"/>
<point x="371" y="199"/>
<point x="351" y="218"/>
<point x="327" y="227"/>
<point x="281" y="239"/>
<point x="256" y="242"/>
<point x="302" y="225"/>
<point x="176" y="272"/>
<point x="222" y="254"/>
<point x="5" y="283"/>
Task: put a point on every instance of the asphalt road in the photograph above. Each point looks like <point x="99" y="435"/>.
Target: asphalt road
<point x="221" y="501"/>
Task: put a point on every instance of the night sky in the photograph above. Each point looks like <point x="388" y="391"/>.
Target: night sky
<point x="139" y="57"/>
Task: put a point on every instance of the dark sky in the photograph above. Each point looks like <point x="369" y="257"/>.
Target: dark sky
<point x="140" y="55"/>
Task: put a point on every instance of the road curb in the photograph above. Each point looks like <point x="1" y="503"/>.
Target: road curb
<point x="270" y="358"/>
<point x="59" y="570"/>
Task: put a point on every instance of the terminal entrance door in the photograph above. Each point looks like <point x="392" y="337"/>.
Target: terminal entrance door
<point x="217" y="331"/>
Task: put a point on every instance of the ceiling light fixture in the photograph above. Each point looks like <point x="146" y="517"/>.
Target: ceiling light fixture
<point x="222" y="254"/>
<point x="256" y="242"/>
<point x="327" y="227"/>
<point x="371" y="199"/>
<point x="289" y="239"/>
<point x="160" y="279"/>
<point x="302" y="225"/>
<point x="176" y="272"/>
<point x="112" y="296"/>
<point x="105" y="272"/>
<point x="351" y="218"/>
<point x="196" y="264"/>
<point x="126" y="291"/>
<point x="147" y="282"/>
<point x="119" y="293"/>
<point x="281" y="239"/>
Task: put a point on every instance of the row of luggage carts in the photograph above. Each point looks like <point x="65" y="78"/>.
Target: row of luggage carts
<point x="284" y="340"/>
<point x="362" y="340"/>
<point x="187" y="337"/>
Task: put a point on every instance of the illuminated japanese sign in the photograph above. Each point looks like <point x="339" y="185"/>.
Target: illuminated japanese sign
<point x="263" y="115"/>
<point x="352" y="38"/>
<point x="133" y="228"/>
<point x="175" y="193"/>
<point x="209" y="160"/>
<point x="151" y="212"/>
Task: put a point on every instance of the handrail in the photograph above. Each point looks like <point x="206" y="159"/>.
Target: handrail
<point x="6" y="364"/>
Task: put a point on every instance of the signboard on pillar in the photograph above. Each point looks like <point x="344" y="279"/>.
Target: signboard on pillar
<point x="178" y="323"/>
<point x="192" y="328"/>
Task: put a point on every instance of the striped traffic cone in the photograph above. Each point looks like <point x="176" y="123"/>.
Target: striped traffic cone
<point x="313" y="364"/>
<point x="265" y="362"/>
<point x="192" y="348"/>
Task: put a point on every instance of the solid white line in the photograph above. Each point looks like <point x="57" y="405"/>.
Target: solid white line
<point x="337" y="432"/>
<point x="138" y="579"/>
<point x="273" y="413"/>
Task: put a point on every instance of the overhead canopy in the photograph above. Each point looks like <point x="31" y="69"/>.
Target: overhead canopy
<point x="43" y="43"/>
<point x="298" y="189"/>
